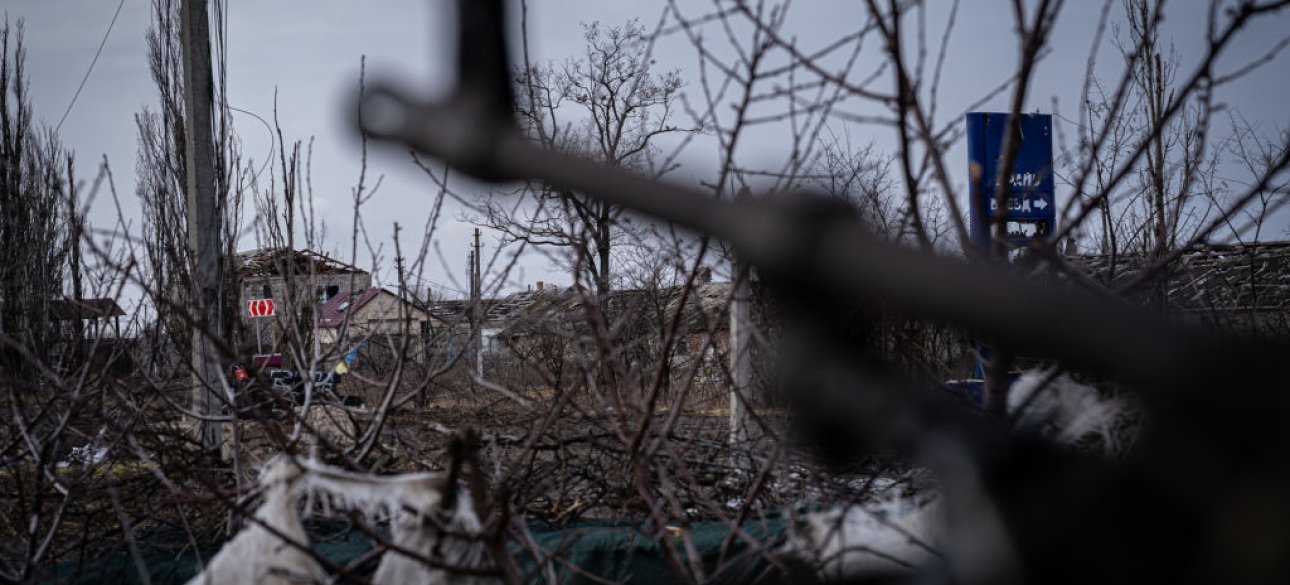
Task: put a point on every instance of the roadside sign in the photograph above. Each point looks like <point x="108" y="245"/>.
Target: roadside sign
<point x="1030" y="211"/>
<point x="259" y="308"/>
<point x="267" y="360"/>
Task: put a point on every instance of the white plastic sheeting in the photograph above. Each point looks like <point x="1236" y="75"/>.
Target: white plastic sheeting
<point x="272" y="549"/>
<point x="898" y="533"/>
<point x="893" y="535"/>
<point x="1067" y="411"/>
<point x="269" y="550"/>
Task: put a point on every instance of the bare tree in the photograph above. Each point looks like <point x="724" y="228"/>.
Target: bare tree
<point x="1255" y="152"/>
<point x="607" y="104"/>
<point x="604" y="401"/>
<point x="35" y="196"/>
<point x="160" y="171"/>
<point x="907" y="104"/>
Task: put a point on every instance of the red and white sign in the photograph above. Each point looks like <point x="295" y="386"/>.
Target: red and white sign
<point x="259" y="308"/>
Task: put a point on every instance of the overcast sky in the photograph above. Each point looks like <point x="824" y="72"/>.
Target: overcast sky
<point x="307" y="52"/>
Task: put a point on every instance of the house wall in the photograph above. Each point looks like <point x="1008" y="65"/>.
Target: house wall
<point x="306" y="299"/>
<point x="306" y="287"/>
<point x="383" y="315"/>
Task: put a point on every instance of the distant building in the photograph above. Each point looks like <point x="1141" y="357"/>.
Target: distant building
<point x="372" y="313"/>
<point x="453" y="320"/>
<point x="87" y="318"/>
<point x="1237" y="286"/>
<point x="298" y="281"/>
<point x="268" y="272"/>
<point x="551" y="327"/>
<point x="90" y="331"/>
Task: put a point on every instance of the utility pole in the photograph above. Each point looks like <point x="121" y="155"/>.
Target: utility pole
<point x="740" y="369"/>
<point x="203" y="219"/>
<point x="403" y="283"/>
<point x="740" y="338"/>
<point x="77" y="232"/>
<point x="476" y="298"/>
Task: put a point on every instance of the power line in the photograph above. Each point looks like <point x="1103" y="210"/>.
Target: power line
<point x="87" y="71"/>
<point x="272" y="147"/>
<point x="434" y="283"/>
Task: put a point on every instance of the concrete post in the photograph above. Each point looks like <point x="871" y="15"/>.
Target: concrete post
<point x="203" y="218"/>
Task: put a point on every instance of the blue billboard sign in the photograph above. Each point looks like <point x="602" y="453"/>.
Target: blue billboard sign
<point x="1030" y="210"/>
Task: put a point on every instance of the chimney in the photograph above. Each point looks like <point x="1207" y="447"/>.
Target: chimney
<point x="540" y="285"/>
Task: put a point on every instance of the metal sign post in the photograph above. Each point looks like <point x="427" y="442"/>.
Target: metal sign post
<point x="1031" y="211"/>
<point x="256" y="309"/>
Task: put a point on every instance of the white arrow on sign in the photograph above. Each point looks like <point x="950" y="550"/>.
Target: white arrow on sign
<point x="260" y="308"/>
<point x="1041" y="203"/>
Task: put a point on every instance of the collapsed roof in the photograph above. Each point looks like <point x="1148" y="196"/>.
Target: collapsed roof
<point x="705" y="308"/>
<point x="1224" y="277"/>
<point x="280" y="261"/>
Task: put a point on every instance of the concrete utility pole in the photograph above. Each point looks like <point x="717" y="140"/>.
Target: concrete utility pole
<point x="203" y="218"/>
<point x="740" y="338"/>
<point x="471" y="308"/>
<point x="740" y="368"/>
<point x="477" y="313"/>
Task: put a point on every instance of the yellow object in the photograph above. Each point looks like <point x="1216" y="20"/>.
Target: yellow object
<point x="342" y="369"/>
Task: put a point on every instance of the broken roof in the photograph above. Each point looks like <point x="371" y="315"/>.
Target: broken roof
<point x="280" y="261"/>
<point x="1214" y="277"/>
<point x="73" y="309"/>
<point x="706" y="307"/>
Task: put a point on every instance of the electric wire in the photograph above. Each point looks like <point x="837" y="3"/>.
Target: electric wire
<point x="91" y="67"/>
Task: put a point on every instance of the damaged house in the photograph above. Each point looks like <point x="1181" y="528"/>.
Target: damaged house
<point x="299" y="282"/>
<point x="1244" y="287"/>
<point x="378" y="317"/>
<point x="548" y="336"/>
